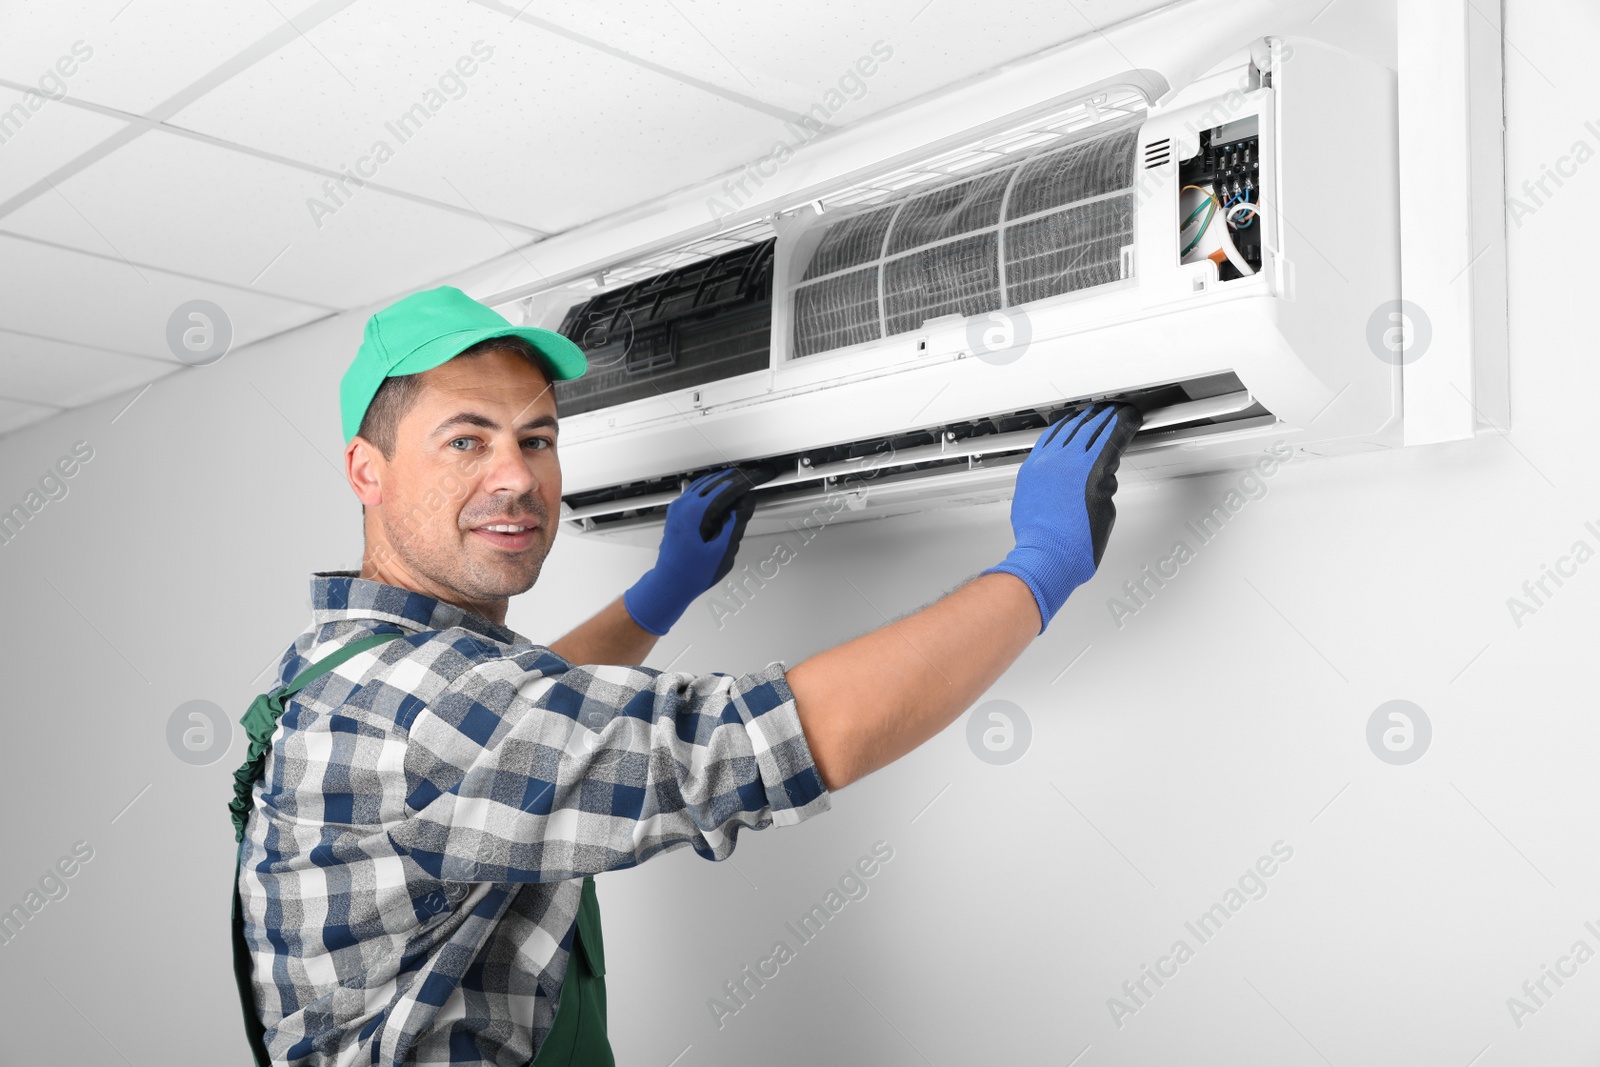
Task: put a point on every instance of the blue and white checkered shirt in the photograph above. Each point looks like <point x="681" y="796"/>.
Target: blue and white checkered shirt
<point x="413" y="860"/>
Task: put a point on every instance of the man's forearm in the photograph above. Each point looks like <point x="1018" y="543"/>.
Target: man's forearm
<point x="869" y="701"/>
<point x="610" y="636"/>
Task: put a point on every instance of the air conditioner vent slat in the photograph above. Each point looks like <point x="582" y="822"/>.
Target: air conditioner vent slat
<point x="1157" y="153"/>
<point x="1218" y="399"/>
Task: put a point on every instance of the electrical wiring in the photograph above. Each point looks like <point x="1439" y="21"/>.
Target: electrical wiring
<point x="1211" y="213"/>
<point x="1209" y="205"/>
<point x="1191" y="216"/>
<point x="1231" y="212"/>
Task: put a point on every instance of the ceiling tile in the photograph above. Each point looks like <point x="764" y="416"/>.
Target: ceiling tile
<point x="67" y="375"/>
<point x="130" y="55"/>
<point x="15" y="414"/>
<point x="543" y="132"/>
<point x="104" y="302"/>
<point x="35" y="143"/>
<point x="240" y="219"/>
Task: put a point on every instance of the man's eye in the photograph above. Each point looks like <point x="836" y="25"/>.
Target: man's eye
<point x="460" y="439"/>
<point x="540" y="442"/>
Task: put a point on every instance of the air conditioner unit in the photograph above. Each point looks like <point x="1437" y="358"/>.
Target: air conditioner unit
<point x="898" y="342"/>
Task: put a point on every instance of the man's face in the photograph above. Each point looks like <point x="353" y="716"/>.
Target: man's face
<point x="476" y="449"/>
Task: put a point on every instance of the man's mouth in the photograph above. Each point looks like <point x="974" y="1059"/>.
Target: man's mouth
<point x="511" y="536"/>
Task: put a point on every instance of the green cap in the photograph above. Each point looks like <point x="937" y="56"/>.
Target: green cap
<point x="426" y="329"/>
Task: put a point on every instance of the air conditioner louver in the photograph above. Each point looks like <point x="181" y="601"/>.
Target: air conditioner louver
<point x="1182" y="410"/>
<point x="1157" y="153"/>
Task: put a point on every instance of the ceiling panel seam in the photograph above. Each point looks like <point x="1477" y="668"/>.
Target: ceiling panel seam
<point x="251" y="54"/>
<point x="272" y="157"/>
<point x="754" y="103"/>
<point x="137" y="264"/>
<point x="84" y="344"/>
<point x="33" y="403"/>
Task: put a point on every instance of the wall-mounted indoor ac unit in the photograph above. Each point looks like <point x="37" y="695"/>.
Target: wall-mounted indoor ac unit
<point x="898" y="341"/>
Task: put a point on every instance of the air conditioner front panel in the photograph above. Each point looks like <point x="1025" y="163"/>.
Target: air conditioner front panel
<point x="1238" y="335"/>
<point x="1091" y="320"/>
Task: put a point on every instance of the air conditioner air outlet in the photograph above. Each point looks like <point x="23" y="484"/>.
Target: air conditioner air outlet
<point x="1175" y="413"/>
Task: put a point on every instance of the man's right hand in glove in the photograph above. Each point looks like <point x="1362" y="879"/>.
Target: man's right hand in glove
<point x="870" y="701"/>
<point x="1062" y="512"/>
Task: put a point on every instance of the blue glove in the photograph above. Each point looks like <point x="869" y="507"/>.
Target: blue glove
<point x="1062" y="511"/>
<point x="697" y="547"/>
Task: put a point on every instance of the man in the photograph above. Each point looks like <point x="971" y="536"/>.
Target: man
<point x="415" y="870"/>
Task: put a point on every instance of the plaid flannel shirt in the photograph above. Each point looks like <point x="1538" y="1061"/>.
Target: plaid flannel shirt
<point x="413" y="860"/>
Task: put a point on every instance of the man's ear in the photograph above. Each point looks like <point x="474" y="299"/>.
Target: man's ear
<point x="364" y="466"/>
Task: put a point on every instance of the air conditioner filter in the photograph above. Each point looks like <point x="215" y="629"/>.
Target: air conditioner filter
<point x="1030" y="229"/>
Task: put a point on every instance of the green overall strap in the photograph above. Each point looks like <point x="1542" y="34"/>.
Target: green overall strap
<point x="578" y="1038"/>
<point x="260" y="722"/>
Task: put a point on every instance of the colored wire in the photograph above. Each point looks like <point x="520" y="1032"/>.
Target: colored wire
<point x="1211" y="204"/>
<point x="1234" y="213"/>
<point x="1244" y="203"/>
<point x="1229" y="249"/>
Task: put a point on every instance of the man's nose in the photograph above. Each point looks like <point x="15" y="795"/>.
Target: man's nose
<point x="508" y="470"/>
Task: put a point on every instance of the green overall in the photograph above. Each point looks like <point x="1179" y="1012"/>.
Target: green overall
<point x="578" y="1036"/>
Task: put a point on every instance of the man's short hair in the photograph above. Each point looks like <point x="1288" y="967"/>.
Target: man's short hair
<point x="397" y="395"/>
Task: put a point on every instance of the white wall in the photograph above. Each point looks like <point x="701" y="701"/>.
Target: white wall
<point x="1222" y="719"/>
